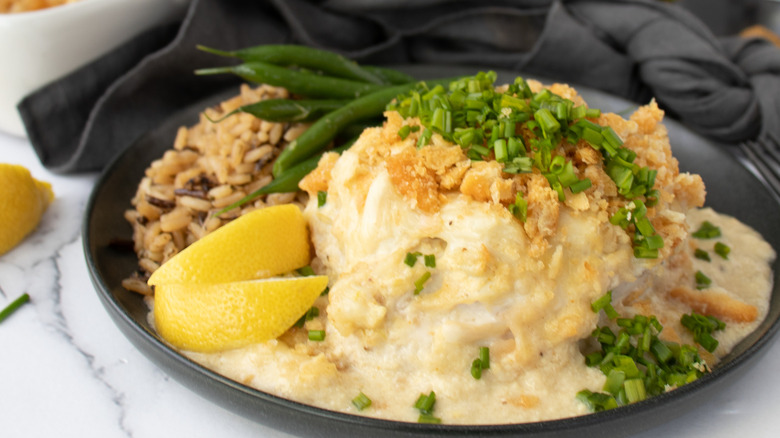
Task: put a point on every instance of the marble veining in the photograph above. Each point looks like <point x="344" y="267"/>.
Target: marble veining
<point x="67" y="371"/>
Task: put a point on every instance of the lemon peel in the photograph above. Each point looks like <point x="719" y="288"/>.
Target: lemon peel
<point x="260" y="244"/>
<point x="215" y="295"/>
<point x="24" y="200"/>
<point x="215" y="317"/>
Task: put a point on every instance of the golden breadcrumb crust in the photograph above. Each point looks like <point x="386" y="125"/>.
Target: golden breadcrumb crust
<point x="426" y="176"/>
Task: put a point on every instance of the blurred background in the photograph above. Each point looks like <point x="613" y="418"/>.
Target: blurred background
<point x="729" y="17"/>
<point x="105" y="24"/>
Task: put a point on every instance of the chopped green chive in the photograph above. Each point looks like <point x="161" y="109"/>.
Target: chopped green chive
<point x="317" y="335"/>
<point x="425" y="403"/>
<point x="519" y="165"/>
<point x="310" y="314"/>
<point x="653" y="242"/>
<point x="623" y="177"/>
<point x="484" y="357"/>
<point x="361" y="401"/>
<point x="515" y="147"/>
<point x="661" y="351"/>
<point x="581" y="185"/>
<point x="411" y="258"/>
<point x="596" y="401"/>
<point x="437" y="120"/>
<point x="635" y="390"/>
<point x="637" y="364"/>
<point x="428" y="419"/>
<point x="644" y="226"/>
<point x="702" y="281"/>
<point x="500" y="150"/>
<point x="605" y="303"/>
<point x="707" y="342"/>
<point x="706" y="231"/>
<point x="547" y="121"/>
<point x="612" y="139"/>
<point x="510" y="129"/>
<point x="592" y="136"/>
<point x="701" y="254"/>
<point x="593" y="359"/>
<point x="645" y="253"/>
<point x="424" y="138"/>
<point x="13" y="306"/>
<point x="476" y="369"/>
<point x="419" y="284"/>
<point x="523" y="130"/>
<point x="579" y="112"/>
<point x="565" y="173"/>
<point x="627" y="364"/>
<point x="614" y="382"/>
<point x="404" y="131"/>
<point x="722" y="250"/>
<point x="519" y="208"/>
<point x="306" y="271"/>
<point x="322" y="198"/>
<point x="592" y="113"/>
<point x="480" y="151"/>
<point x="605" y="336"/>
<point x="515" y="103"/>
<point x="702" y="327"/>
<point x="646" y="241"/>
<point x="480" y="363"/>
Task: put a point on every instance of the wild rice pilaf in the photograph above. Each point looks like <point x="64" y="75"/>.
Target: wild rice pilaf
<point x="210" y="166"/>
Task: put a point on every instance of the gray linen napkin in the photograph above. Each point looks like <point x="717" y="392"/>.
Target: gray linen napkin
<point x="723" y="88"/>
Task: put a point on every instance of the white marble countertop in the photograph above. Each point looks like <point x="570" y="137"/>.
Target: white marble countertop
<point x="67" y="371"/>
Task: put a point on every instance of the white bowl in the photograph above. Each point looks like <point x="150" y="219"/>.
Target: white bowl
<point x="40" y="46"/>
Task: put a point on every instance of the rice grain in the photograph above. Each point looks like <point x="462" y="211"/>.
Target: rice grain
<point x="209" y="167"/>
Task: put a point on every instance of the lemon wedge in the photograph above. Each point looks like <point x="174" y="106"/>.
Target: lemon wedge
<point x="215" y="317"/>
<point x="216" y="294"/>
<point x="24" y="200"/>
<point x="259" y="244"/>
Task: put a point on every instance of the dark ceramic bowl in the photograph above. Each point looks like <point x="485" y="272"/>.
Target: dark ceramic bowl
<point x="731" y="190"/>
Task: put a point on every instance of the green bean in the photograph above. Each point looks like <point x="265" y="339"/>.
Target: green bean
<point x="330" y="63"/>
<point x="389" y="76"/>
<point x="288" y="110"/>
<point x="317" y="137"/>
<point x="287" y="181"/>
<point x="354" y="130"/>
<point x="306" y="84"/>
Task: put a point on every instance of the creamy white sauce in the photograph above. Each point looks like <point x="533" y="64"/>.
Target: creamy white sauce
<point x="403" y="345"/>
<point x="492" y="286"/>
<point x="746" y="275"/>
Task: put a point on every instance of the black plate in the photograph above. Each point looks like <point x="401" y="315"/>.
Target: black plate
<point x="731" y="189"/>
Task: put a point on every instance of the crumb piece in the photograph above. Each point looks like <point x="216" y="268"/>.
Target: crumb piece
<point x="717" y="304"/>
<point x="484" y="182"/>
<point x="318" y="179"/>
<point x="413" y="180"/>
